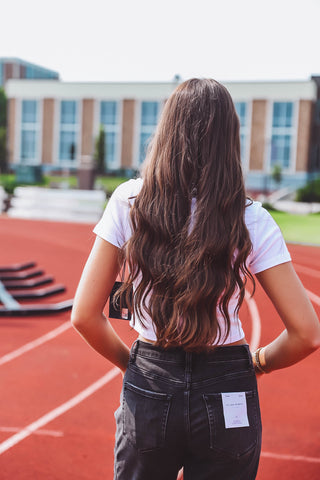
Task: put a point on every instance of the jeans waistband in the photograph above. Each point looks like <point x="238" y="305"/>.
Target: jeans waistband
<point x="179" y="355"/>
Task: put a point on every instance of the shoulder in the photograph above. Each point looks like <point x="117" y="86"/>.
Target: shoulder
<point x="254" y="212"/>
<point x="268" y="245"/>
<point x="127" y="191"/>
<point x="114" y="225"/>
<point x="259" y="222"/>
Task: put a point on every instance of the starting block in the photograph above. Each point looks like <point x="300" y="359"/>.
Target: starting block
<point x="19" y="282"/>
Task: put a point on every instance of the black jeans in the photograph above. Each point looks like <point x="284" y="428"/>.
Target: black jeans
<point x="172" y="415"/>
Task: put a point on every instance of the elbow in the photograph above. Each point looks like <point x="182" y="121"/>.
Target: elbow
<point x="306" y="341"/>
<point x="78" y="320"/>
<point x="315" y="342"/>
<point x="84" y="319"/>
<point x="314" y="337"/>
<point x="312" y="342"/>
<point x="75" y="321"/>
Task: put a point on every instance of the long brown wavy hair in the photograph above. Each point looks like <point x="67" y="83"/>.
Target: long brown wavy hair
<point x="189" y="260"/>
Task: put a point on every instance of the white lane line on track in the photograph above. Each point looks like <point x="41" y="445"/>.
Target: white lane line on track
<point x="297" y="458"/>
<point x="256" y="322"/>
<point x="253" y="309"/>
<point x="35" y="343"/>
<point x="306" y="270"/>
<point x="53" y="414"/>
<point x="50" y="433"/>
<point x="277" y="456"/>
<point x="313" y="297"/>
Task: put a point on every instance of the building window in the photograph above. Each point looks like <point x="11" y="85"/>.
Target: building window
<point x="29" y="131"/>
<point x="242" y="111"/>
<point x="32" y="72"/>
<point x="282" y="134"/>
<point x="109" y="119"/>
<point x="29" y="111"/>
<point x="69" y="128"/>
<point x="149" y="119"/>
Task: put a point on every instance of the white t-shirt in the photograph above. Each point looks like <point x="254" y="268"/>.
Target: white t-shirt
<point x="268" y="248"/>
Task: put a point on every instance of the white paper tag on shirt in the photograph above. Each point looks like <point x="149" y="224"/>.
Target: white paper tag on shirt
<point x="235" y="409"/>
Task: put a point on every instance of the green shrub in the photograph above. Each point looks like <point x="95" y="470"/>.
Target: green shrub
<point x="309" y="193"/>
<point x="268" y="206"/>
<point x="9" y="183"/>
<point x="108" y="183"/>
<point x="100" y="151"/>
<point x="3" y="134"/>
<point x="277" y="174"/>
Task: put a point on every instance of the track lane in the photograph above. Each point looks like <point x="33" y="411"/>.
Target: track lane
<point x="310" y="259"/>
<point x="27" y="347"/>
<point x="60" y="249"/>
<point x="48" y="376"/>
<point x="85" y="451"/>
<point x="58" y="411"/>
<point x="291" y="443"/>
<point x="88" y="429"/>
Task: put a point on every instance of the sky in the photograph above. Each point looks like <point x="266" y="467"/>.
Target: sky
<point x="147" y="40"/>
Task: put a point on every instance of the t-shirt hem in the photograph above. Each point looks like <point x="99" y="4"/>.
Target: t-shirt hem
<point x="108" y="238"/>
<point x="271" y="263"/>
<point x="152" y="337"/>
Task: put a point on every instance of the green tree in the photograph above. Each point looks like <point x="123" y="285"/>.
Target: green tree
<point x="3" y="150"/>
<point x="277" y="173"/>
<point x="100" y="151"/>
<point x="3" y="131"/>
<point x="310" y="192"/>
<point x="3" y="108"/>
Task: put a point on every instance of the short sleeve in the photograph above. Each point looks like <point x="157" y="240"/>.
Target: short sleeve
<point x="269" y="248"/>
<point x="111" y="225"/>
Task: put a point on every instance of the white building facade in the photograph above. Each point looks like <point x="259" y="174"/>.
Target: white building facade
<point x="55" y="124"/>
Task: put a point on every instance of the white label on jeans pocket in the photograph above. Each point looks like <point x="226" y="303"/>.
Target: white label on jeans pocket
<point x="235" y="409"/>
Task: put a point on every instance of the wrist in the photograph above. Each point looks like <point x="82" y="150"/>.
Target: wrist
<point x="259" y="361"/>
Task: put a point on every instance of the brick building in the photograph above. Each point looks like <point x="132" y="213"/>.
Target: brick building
<point x="11" y="67"/>
<point x="55" y="124"/>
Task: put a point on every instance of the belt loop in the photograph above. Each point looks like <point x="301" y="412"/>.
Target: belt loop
<point x="133" y="351"/>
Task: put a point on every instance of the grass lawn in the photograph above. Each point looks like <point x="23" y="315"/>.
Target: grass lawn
<point x="299" y="228"/>
<point x="108" y="183"/>
<point x="295" y="228"/>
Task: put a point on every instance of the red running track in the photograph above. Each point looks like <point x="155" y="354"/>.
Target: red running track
<point x="52" y="426"/>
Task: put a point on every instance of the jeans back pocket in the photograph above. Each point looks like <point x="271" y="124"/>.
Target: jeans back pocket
<point x="145" y="415"/>
<point x="233" y="442"/>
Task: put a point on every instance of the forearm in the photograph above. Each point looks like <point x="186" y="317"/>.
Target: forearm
<point x="284" y="351"/>
<point x="302" y="334"/>
<point x="92" y="293"/>
<point x="100" y="335"/>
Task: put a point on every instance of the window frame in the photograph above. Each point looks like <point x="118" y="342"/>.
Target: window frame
<point x="246" y="131"/>
<point x="76" y="128"/>
<point x="282" y="131"/>
<point x="35" y="127"/>
<point x="138" y="130"/>
<point x="117" y="128"/>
